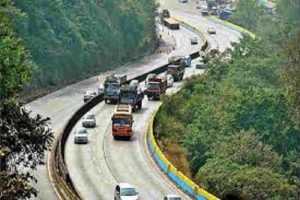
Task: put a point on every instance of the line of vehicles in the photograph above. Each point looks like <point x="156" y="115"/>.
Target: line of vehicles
<point x="129" y="97"/>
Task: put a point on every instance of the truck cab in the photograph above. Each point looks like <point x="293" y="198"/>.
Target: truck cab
<point x="132" y="95"/>
<point x="122" y="121"/>
<point x="177" y="71"/>
<point x="156" y="86"/>
<point x="112" y="85"/>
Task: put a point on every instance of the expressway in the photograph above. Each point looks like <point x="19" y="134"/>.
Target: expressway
<point x="60" y="105"/>
<point x="98" y="166"/>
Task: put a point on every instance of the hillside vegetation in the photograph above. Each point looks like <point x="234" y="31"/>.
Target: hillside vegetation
<point x="70" y="39"/>
<point x="238" y="123"/>
<point x="25" y="137"/>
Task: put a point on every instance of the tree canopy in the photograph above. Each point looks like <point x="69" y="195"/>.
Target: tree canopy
<point x="239" y="121"/>
<point x="24" y="137"/>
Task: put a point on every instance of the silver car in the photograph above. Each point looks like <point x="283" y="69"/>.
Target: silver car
<point x="81" y="136"/>
<point x="194" y="40"/>
<point x="211" y="30"/>
<point x="170" y="80"/>
<point x="125" y="191"/>
<point x="89" y="95"/>
<point x="89" y="121"/>
<point x="172" y="197"/>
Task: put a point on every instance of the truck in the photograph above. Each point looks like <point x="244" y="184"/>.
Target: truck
<point x="122" y="121"/>
<point x="132" y="94"/>
<point x="165" y="13"/>
<point x="177" y="71"/>
<point x="156" y="86"/>
<point x="185" y="61"/>
<point x="112" y="85"/>
<point x="171" y="23"/>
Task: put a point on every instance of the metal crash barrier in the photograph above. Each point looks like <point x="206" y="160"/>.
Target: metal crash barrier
<point x="58" y="171"/>
<point x="181" y="181"/>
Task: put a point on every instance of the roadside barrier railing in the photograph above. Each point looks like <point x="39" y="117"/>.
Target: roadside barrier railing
<point x="181" y="181"/>
<point x="58" y="171"/>
<point x="233" y="26"/>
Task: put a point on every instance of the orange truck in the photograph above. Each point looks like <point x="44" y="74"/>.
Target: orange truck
<point x="155" y="86"/>
<point x="122" y="121"/>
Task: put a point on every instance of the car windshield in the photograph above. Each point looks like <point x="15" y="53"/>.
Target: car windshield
<point x="113" y="86"/>
<point x="175" y="198"/>
<point x="153" y="85"/>
<point x="81" y="131"/>
<point x="120" y="121"/>
<point x="90" y="117"/>
<point x="128" y="192"/>
<point x="127" y="94"/>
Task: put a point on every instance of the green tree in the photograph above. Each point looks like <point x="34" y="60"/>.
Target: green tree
<point x="24" y="137"/>
<point x="291" y="75"/>
<point x="229" y="179"/>
<point x="15" y="64"/>
<point x="245" y="148"/>
<point x="247" y="14"/>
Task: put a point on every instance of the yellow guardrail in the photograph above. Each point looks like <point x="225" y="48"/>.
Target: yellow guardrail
<point x="182" y="181"/>
<point x="194" y="27"/>
<point x="234" y="26"/>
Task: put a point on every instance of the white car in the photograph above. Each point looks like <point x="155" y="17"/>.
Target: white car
<point x="149" y="76"/>
<point x="89" y="121"/>
<point x="211" y="30"/>
<point x="89" y="95"/>
<point x="125" y="191"/>
<point x="172" y="197"/>
<point x="81" y="136"/>
<point x="100" y="90"/>
<point x="170" y="80"/>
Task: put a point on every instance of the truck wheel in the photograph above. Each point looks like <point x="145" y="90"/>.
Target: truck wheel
<point x="106" y="101"/>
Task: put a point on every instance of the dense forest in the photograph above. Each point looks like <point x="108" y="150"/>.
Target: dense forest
<point x="24" y="137"/>
<point x="72" y="39"/>
<point x="235" y="129"/>
<point x="54" y="42"/>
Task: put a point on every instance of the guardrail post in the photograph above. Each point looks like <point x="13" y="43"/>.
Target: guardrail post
<point x="168" y="168"/>
<point x="196" y="191"/>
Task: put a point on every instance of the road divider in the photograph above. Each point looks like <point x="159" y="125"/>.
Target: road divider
<point x="57" y="168"/>
<point x="58" y="171"/>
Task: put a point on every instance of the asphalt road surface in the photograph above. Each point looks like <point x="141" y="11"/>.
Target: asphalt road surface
<point x="60" y="105"/>
<point x="98" y="166"/>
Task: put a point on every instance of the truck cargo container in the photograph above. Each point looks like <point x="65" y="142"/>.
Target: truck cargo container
<point x="122" y="121"/>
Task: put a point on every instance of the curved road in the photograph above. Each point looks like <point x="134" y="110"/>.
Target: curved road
<point x="60" y="105"/>
<point x="96" y="168"/>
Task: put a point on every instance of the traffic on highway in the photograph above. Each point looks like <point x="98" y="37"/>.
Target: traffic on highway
<point x="106" y="154"/>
